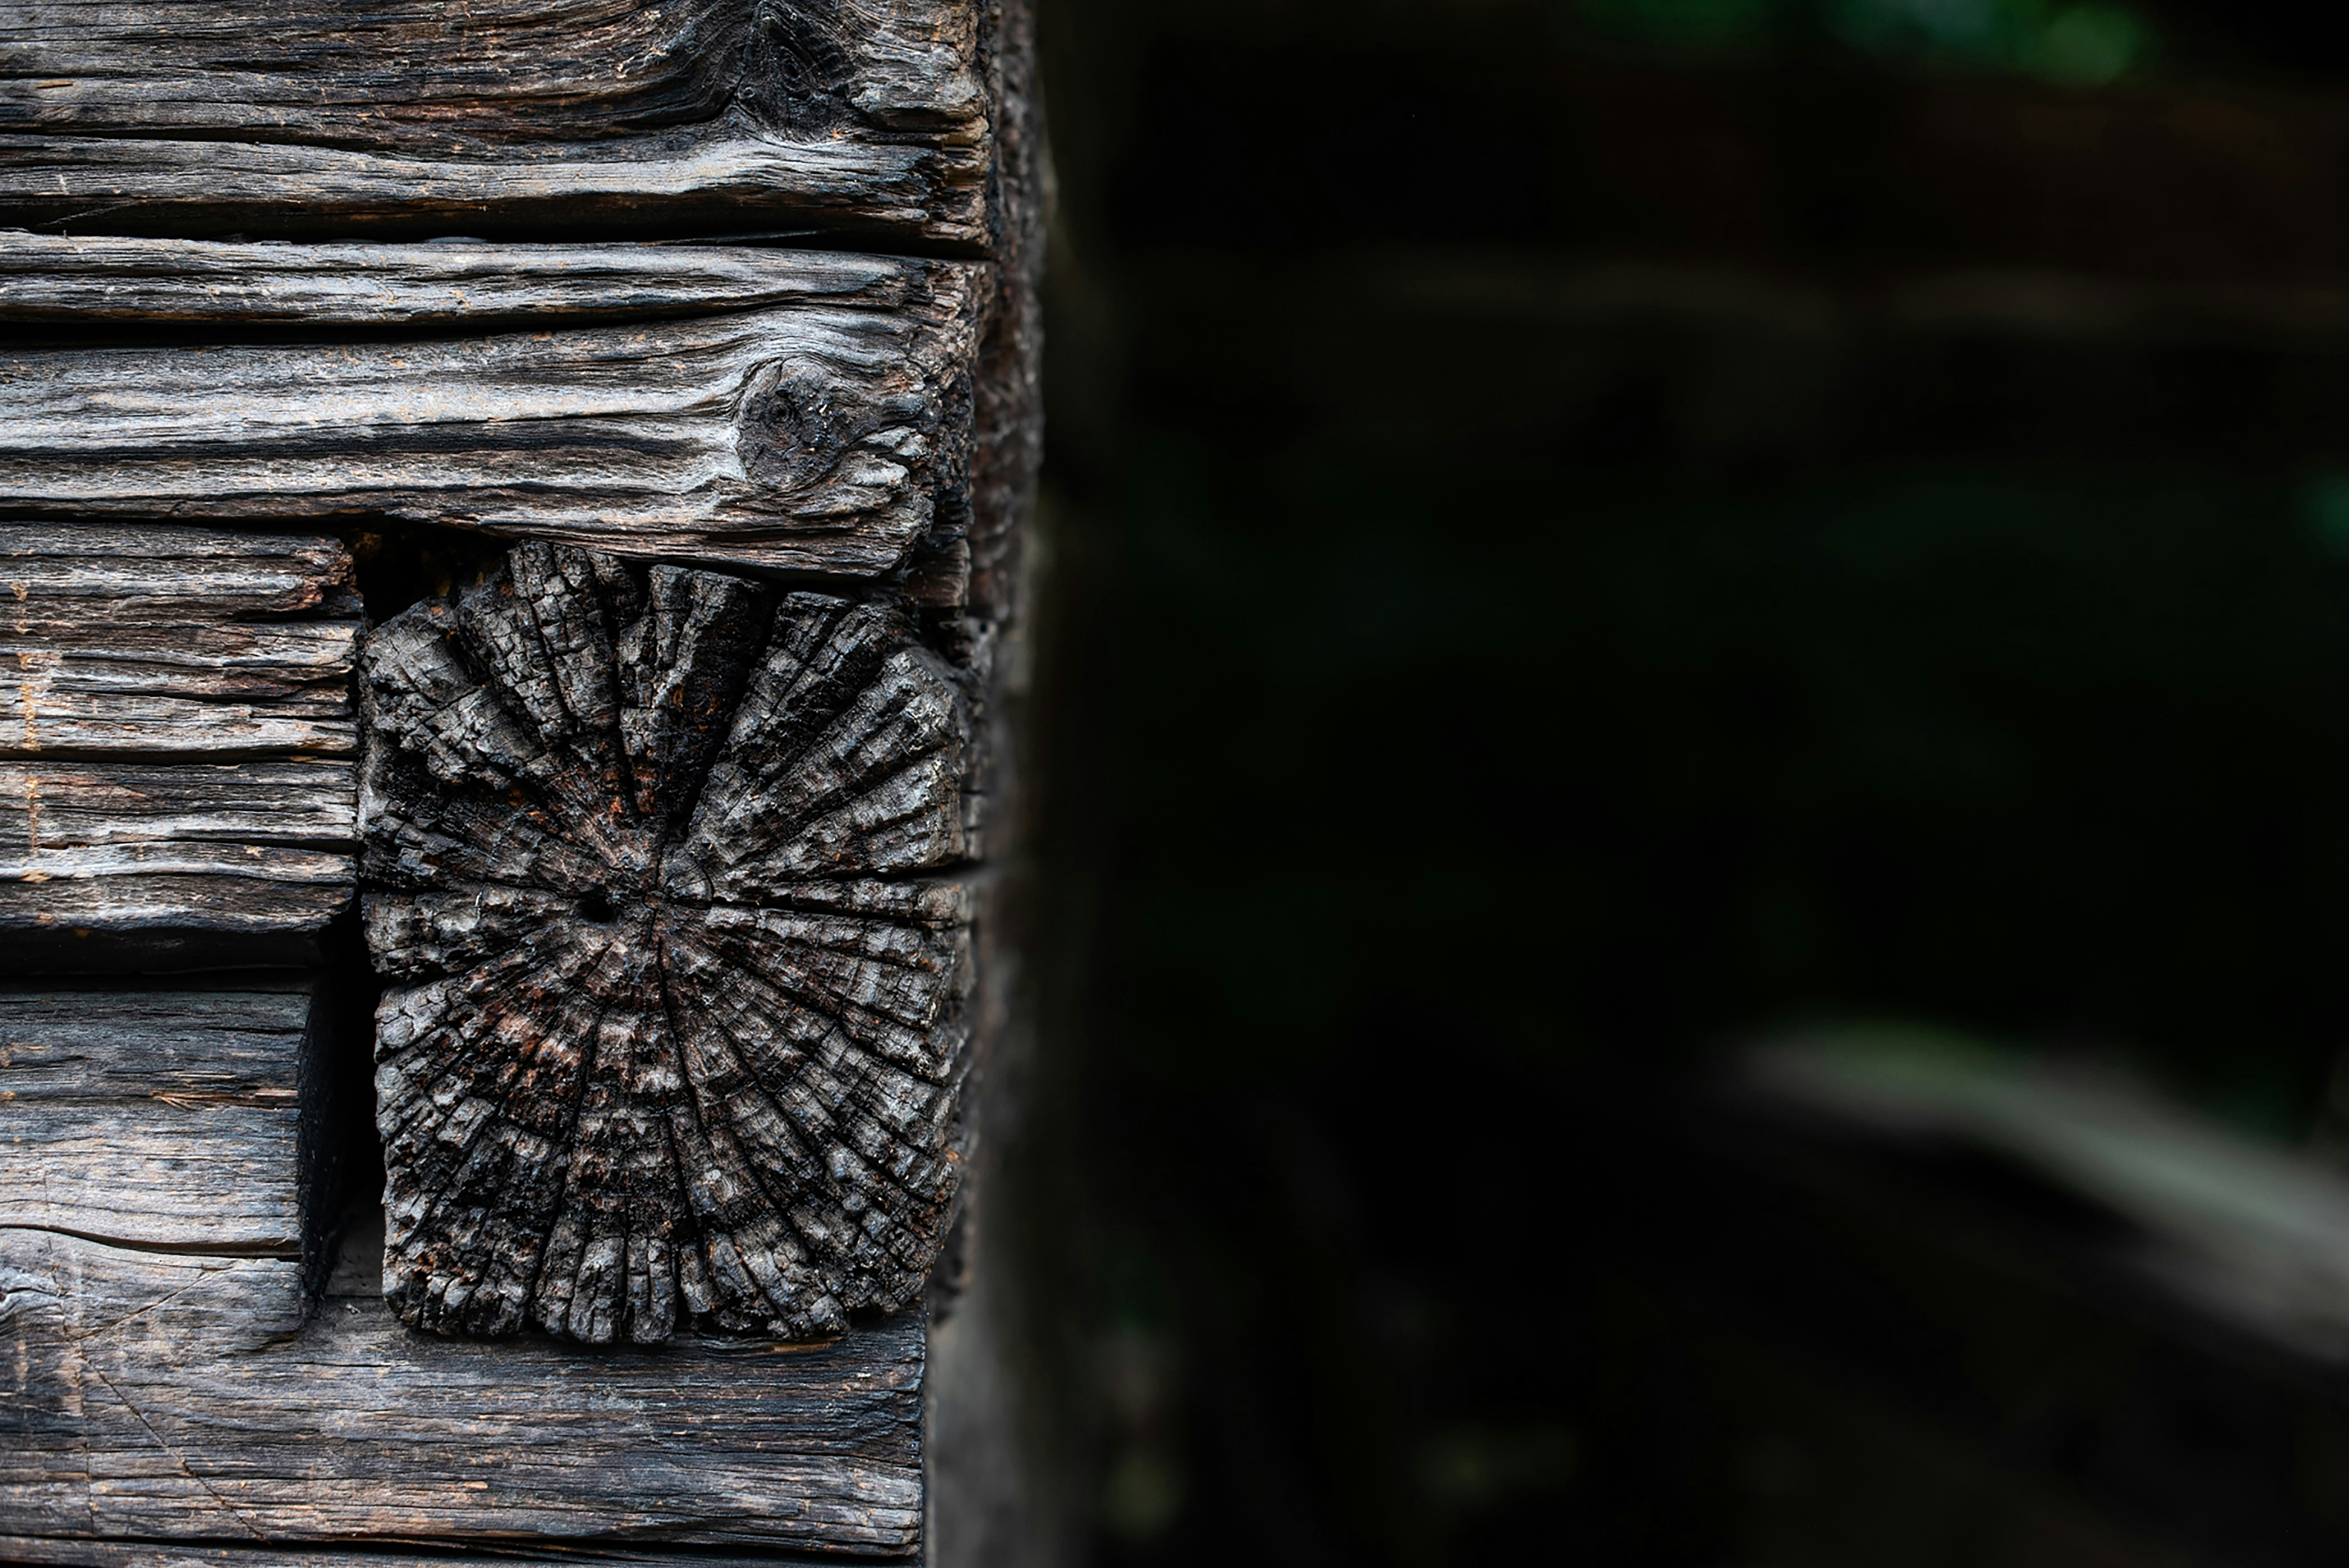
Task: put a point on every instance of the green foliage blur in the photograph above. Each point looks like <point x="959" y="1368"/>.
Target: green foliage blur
<point x="2086" y="44"/>
<point x="1522" y="613"/>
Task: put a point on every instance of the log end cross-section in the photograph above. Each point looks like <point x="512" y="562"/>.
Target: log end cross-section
<point x="661" y="865"/>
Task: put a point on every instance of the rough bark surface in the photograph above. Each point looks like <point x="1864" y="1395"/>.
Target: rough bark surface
<point x="676" y="1032"/>
<point x="522" y="117"/>
<point x="168" y="1119"/>
<point x="814" y="436"/>
<point x="150" y="1396"/>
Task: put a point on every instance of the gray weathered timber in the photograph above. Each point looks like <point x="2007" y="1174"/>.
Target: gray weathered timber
<point x="676" y="1027"/>
<point x="173" y="641"/>
<point x="54" y="1552"/>
<point x="118" y="283"/>
<point x="52" y="807"/>
<point x="177" y="740"/>
<point x="173" y="1119"/>
<point x="261" y="847"/>
<point x="826" y="433"/>
<point x="145" y="1396"/>
<point x="525" y="117"/>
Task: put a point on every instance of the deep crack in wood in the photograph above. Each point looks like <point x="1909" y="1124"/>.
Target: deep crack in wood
<point x="660" y="863"/>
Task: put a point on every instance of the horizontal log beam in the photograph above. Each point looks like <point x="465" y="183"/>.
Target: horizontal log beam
<point x="177" y="730"/>
<point x="116" y="281"/>
<point x="51" y="807"/>
<point x="807" y="436"/>
<point x="52" y="1552"/>
<point x="524" y="118"/>
<point x="170" y="641"/>
<point x="143" y="1395"/>
<point x="175" y="1119"/>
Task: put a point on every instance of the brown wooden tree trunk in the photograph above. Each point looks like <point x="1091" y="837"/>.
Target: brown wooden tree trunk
<point x="517" y="509"/>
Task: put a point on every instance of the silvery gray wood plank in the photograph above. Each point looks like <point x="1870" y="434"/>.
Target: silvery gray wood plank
<point x="176" y="735"/>
<point x="528" y="118"/>
<point x="50" y="807"/>
<point x="54" y="1552"/>
<point x="150" y="1396"/>
<point x="824" y="434"/>
<point x="171" y="1119"/>
<point x="170" y="642"/>
<point x="114" y="282"/>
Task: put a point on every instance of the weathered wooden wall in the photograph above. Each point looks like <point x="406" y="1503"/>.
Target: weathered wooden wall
<point x="223" y="461"/>
<point x="176" y="1121"/>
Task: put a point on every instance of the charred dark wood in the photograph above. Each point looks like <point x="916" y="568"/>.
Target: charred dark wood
<point x="526" y="118"/>
<point x="675" y="1028"/>
<point x="150" y="1396"/>
<point x="181" y="1120"/>
<point x="825" y="430"/>
<point x="670" y="872"/>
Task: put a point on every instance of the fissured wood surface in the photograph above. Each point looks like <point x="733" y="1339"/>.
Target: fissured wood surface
<point x="144" y="1395"/>
<point x="816" y="419"/>
<point x="533" y="118"/>
<point x="164" y="1119"/>
<point x="177" y="741"/>
<point x="659" y="864"/>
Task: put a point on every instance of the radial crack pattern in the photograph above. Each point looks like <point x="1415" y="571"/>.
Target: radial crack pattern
<point x="659" y="867"/>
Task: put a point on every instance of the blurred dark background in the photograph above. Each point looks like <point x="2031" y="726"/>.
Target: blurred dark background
<point x="1579" y="531"/>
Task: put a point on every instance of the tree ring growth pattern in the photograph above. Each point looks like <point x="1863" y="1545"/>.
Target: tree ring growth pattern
<point x="659" y="867"/>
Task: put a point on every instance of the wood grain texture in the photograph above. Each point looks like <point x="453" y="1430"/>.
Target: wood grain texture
<point x="56" y="1553"/>
<point x="177" y="734"/>
<point x="109" y="282"/>
<point x="826" y="433"/>
<point x="170" y="1119"/>
<point x="675" y="1032"/>
<point x="173" y="641"/>
<point x="529" y="118"/>
<point x="148" y="1396"/>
